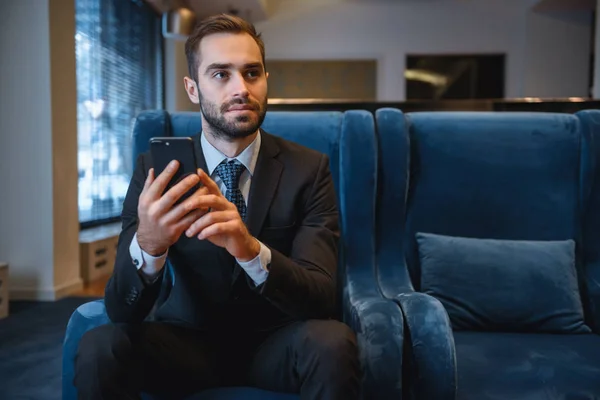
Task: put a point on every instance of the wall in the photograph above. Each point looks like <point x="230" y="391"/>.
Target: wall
<point x="65" y="179"/>
<point x="176" y="69"/>
<point x="38" y="148"/>
<point x="558" y="54"/>
<point x="546" y="56"/>
<point x="596" y="93"/>
<point x="390" y="31"/>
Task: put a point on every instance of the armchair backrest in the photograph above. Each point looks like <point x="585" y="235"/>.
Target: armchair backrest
<point x="519" y="176"/>
<point x="590" y="125"/>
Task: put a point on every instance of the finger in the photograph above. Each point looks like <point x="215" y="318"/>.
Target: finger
<point x="157" y="187"/>
<point x="209" y="219"/>
<point x="149" y="180"/>
<point x="208" y="182"/>
<point x="185" y="222"/>
<point x="214" y="202"/>
<point x="188" y="205"/>
<point x="173" y="194"/>
<point x="221" y="228"/>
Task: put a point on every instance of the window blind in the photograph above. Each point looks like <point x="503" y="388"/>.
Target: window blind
<point x="119" y="56"/>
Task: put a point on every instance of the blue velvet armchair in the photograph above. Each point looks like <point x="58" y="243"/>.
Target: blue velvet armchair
<point x="488" y="237"/>
<point x="349" y="139"/>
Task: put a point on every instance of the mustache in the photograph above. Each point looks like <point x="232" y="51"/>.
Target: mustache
<point x="237" y="102"/>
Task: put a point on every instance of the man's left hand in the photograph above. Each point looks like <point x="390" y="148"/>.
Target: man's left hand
<point x="223" y="225"/>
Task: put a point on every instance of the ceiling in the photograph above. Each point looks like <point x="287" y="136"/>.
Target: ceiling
<point x="258" y="10"/>
<point x="252" y="10"/>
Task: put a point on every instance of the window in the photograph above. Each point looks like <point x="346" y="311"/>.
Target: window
<point x="119" y="73"/>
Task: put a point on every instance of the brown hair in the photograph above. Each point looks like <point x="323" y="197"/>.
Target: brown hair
<point x="221" y="23"/>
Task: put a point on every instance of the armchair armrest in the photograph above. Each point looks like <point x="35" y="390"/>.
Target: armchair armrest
<point x="86" y="317"/>
<point x="379" y="327"/>
<point x="431" y="356"/>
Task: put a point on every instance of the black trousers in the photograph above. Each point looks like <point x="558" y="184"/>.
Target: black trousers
<point x="317" y="359"/>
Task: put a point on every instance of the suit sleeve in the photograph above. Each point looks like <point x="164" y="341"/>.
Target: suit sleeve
<point x="127" y="297"/>
<point x="303" y="285"/>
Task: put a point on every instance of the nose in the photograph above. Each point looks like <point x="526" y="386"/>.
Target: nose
<point x="239" y="86"/>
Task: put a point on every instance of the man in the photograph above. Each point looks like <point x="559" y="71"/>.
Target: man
<point x="240" y="276"/>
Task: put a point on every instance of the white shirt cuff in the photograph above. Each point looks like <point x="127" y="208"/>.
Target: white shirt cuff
<point x="258" y="268"/>
<point x="149" y="265"/>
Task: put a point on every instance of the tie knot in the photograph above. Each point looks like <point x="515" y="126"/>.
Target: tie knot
<point x="230" y="173"/>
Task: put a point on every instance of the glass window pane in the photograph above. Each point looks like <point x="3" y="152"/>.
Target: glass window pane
<point x="119" y="73"/>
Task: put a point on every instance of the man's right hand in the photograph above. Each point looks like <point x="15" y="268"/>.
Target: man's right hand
<point x="161" y="224"/>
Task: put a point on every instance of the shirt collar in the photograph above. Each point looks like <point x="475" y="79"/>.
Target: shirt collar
<point x="214" y="157"/>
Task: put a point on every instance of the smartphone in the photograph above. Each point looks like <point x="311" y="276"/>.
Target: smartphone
<point x="163" y="150"/>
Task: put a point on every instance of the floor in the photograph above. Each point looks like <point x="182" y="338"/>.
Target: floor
<point x="93" y="289"/>
<point x="31" y="340"/>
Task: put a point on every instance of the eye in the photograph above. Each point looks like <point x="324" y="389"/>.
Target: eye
<point x="220" y="75"/>
<point x="253" y="73"/>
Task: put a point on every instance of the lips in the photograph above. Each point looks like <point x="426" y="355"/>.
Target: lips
<point x="241" y="107"/>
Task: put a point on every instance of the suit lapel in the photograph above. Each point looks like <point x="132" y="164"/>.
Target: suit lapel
<point x="200" y="154"/>
<point x="265" y="180"/>
<point x="264" y="183"/>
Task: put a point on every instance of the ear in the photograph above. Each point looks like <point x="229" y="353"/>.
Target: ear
<point x="267" y="75"/>
<point x="192" y="89"/>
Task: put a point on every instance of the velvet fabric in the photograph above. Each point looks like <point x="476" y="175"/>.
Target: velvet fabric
<point x="503" y="285"/>
<point x="349" y="140"/>
<point x="494" y="365"/>
<point x="429" y="365"/>
<point x="590" y="166"/>
<point x="493" y="175"/>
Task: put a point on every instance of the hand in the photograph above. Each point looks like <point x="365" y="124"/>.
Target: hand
<point x="223" y="226"/>
<point x="161" y="224"/>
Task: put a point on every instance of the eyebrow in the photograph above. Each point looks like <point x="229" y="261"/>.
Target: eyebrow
<point x="214" y="66"/>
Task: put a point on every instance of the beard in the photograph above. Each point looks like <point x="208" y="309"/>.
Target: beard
<point x="236" y="127"/>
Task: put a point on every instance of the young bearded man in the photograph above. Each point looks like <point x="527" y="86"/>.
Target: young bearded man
<point x="240" y="276"/>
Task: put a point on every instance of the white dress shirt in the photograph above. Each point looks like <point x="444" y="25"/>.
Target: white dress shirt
<point x="257" y="268"/>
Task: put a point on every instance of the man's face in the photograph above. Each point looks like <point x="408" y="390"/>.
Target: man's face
<point x="232" y="85"/>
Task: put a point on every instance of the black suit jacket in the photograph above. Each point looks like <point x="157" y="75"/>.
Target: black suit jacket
<point x="291" y="209"/>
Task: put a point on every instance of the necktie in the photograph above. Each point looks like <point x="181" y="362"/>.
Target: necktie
<point x="230" y="173"/>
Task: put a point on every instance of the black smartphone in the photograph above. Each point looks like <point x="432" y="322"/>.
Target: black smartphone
<point x="163" y="150"/>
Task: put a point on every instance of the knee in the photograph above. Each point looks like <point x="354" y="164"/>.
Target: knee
<point x="329" y="339"/>
<point x="102" y="346"/>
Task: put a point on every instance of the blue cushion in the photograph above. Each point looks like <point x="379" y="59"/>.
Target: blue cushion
<point x="503" y="285"/>
<point x="521" y="366"/>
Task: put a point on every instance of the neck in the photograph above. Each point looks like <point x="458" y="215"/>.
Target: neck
<point x="231" y="148"/>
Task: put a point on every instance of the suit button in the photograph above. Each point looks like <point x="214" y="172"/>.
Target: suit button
<point x="136" y="262"/>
